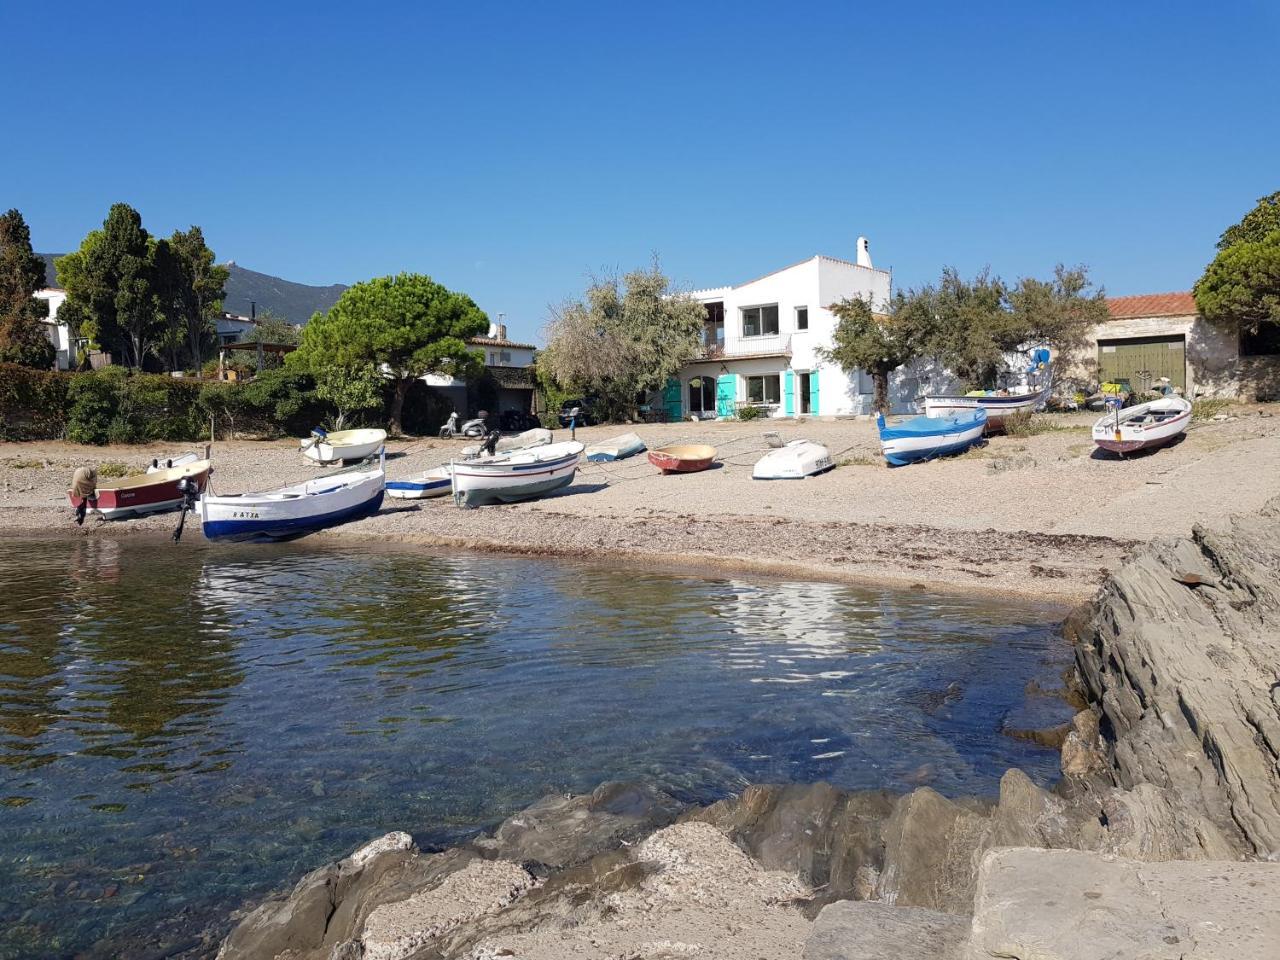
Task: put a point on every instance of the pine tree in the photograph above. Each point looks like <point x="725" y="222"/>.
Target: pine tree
<point x="22" y="334"/>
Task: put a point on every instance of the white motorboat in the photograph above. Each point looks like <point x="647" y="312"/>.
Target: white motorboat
<point x="296" y="510"/>
<point x="436" y="482"/>
<point x="515" y="475"/>
<point x="793" y="461"/>
<point x="537" y="437"/>
<point x="324" y="447"/>
<point x="1143" y="427"/>
<point x="617" y="448"/>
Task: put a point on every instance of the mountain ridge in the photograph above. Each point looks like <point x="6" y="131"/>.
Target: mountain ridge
<point x="295" y="302"/>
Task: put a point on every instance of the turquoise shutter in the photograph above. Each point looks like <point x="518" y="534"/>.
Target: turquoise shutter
<point x="671" y="400"/>
<point x="813" y="392"/>
<point x="726" y="395"/>
<point x="789" y="393"/>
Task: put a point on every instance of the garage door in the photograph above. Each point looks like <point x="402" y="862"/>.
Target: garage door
<point x="1144" y="360"/>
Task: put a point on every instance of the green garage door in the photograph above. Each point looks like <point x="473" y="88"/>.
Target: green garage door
<point x="1144" y="360"/>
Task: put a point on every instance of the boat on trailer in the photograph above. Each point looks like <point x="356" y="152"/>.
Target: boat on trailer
<point x="515" y="475"/>
<point x="793" y="461"/>
<point x="349" y="445"/>
<point x="683" y="457"/>
<point x="152" y="492"/>
<point x="297" y="510"/>
<point x="1143" y="427"/>
<point x="436" y="482"/>
<point x="924" y="438"/>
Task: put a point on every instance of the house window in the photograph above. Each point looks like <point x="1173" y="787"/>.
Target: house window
<point x="760" y="321"/>
<point x="1264" y="342"/>
<point x="766" y="389"/>
<point x="504" y="356"/>
<point x="802" y="318"/>
<point x="713" y="327"/>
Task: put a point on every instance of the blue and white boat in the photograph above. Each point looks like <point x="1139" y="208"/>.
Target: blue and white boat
<point x="516" y="475"/>
<point x="923" y="438"/>
<point x="297" y="510"/>
<point x="619" y="448"/>
<point x="436" y="482"/>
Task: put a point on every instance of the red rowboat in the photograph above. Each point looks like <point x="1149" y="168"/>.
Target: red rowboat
<point x="146" y="493"/>
<point x="683" y="458"/>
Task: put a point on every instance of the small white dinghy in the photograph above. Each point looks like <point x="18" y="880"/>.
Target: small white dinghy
<point x="793" y="461"/>
<point x="1144" y="427"/>
<point x="297" y="510"/>
<point x="324" y="447"/>
<point x="516" y="475"/>
<point x="436" y="482"/>
<point x="617" y="448"/>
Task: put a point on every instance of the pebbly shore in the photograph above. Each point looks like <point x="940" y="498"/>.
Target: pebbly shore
<point x="1161" y="840"/>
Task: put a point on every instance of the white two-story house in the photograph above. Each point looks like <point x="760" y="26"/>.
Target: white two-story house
<point x="761" y="343"/>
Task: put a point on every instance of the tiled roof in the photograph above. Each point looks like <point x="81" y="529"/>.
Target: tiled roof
<point x="1152" y="305"/>
<point x="492" y="342"/>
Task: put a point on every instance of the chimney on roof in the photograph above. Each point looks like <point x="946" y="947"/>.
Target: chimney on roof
<point x="864" y="252"/>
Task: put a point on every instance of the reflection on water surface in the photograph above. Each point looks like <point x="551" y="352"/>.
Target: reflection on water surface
<point x="182" y="728"/>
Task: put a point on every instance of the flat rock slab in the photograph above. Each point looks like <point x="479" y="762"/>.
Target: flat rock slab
<point x="871" y="930"/>
<point x="1071" y="905"/>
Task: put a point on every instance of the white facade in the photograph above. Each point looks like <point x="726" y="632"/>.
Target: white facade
<point x="59" y="334"/>
<point x="762" y="339"/>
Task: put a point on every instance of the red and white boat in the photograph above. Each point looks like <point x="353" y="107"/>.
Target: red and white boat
<point x="1144" y="427"/>
<point x="683" y="457"/>
<point x="150" y="492"/>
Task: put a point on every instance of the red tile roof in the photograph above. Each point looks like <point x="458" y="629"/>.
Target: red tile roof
<point x="493" y="342"/>
<point x="1152" y="305"/>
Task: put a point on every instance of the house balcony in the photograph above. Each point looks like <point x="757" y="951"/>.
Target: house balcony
<point x="746" y="348"/>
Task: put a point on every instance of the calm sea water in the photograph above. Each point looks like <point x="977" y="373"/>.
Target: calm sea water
<point x="183" y="728"/>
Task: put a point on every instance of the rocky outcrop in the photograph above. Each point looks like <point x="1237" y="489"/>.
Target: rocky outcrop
<point x="849" y="930"/>
<point x="1180" y="656"/>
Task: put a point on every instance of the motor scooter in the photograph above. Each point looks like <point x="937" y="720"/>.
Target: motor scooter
<point x="471" y="429"/>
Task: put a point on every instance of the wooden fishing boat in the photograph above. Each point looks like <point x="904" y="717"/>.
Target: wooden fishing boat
<point x="436" y="482"/>
<point x="1143" y="427"/>
<point x="515" y="475"/>
<point x="793" y="461"/>
<point x="150" y="492"/>
<point x="324" y="447"/>
<point x="617" y="448"/>
<point x="296" y="510"/>
<point x="923" y="438"/>
<point x="683" y="457"/>
<point x="996" y="404"/>
<point x="537" y="437"/>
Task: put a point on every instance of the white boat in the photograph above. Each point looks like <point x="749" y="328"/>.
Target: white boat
<point x="924" y="438"/>
<point x="294" y="511"/>
<point x="516" y="475"/>
<point x="1144" y="427"/>
<point x="997" y="404"/>
<point x="793" y="461"/>
<point x="537" y="437"/>
<point x="169" y="463"/>
<point x="324" y="447"/>
<point x="436" y="482"/>
<point x="617" y="448"/>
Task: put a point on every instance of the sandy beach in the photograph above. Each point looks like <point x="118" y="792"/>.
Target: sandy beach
<point x="1041" y="517"/>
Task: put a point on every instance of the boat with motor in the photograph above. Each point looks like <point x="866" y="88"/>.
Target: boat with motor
<point x="683" y="457"/>
<point x="1143" y="427"/>
<point x="296" y="510"/>
<point x="436" y="482"/>
<point x="617" y="448"/>
<point x="515" y="475"/>
<point x="793" y="461"/>
<point x="999" y="403"/>
<point x="537" y="437"/>
<point x="151" y="492"/>
<point x="351" y="445"/>
<point x="923" y="438"/>
<point x="157" y="464"/>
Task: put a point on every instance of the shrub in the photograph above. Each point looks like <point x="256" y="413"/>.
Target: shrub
<point x="750" y="413"/>
<point x="92" y="401"/>
<point x="1208" y="408"/>
<point x="33" y="403"/>
<point x="275" y="403"/>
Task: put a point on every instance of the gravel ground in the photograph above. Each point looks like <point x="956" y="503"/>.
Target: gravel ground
<point x="1041" y="516"/>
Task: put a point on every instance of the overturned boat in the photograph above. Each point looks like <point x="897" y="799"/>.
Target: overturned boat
<point x="297" y="510"/>
<point x="683" y="457"/>
<point x="793" y="461"/>
<point x="923" y="438"/>
<point x="151" y="492"/>
<point x="1144" y="427"/>
<point x="616" y="448"/>
<point x="350" y="445"/>
<point x="515" y="475"/>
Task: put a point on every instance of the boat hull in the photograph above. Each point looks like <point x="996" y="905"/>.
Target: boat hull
<point x="997" y="408"/>
<point x="343" y="445"/>
<point x="477" y="484"/>
<point x="433" y="483"/>
<point x="619" y="448"/>
<point x="140" y="499"/>
<point x="950" y="435"/>
<point x="795" y="461"/>
<point x="286" y="517"/>
<point x="690" y="458"/>
<point x="1132" y="435"/>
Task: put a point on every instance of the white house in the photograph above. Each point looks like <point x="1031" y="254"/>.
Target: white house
<point x="507" y="361"/>
<point x="761" y="339"/>
<point x="59" y="334"/>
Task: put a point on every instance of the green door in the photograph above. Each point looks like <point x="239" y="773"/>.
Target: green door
<point x="726" y="395"/>
<point x="671" y="400"/>
<point x="1143" y="361"/>
<point x="813" y="392"/>
<point x="789" y="393"/>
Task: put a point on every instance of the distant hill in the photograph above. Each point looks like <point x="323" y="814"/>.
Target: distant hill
<point x="296" y="302"/>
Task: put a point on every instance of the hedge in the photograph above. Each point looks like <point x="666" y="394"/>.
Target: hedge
<point x="33" y="403"/>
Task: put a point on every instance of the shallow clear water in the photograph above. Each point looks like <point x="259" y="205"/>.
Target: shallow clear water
<point x="183" y="728"/>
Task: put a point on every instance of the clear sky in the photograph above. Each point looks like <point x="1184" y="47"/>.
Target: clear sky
<point x="512" y="149"/>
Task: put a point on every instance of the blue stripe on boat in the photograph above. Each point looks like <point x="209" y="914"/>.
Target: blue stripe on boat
<point x="288" y="529"/>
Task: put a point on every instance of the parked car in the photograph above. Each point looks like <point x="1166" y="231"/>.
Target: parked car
<point x="517" y="421"/>
<point x="586" y="407"/>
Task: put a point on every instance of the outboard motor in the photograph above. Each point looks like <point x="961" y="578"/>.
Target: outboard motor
<point x="190" y="493"/>
<point x="490" y="445"/>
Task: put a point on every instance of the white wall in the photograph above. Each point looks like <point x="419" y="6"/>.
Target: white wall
<point x="59" y="334"/>
<point x="515" y="356"/>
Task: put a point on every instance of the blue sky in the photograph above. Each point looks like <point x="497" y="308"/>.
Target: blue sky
<point x="512" y="149"/>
